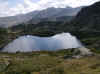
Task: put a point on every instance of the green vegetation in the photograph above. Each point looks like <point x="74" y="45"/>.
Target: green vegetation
<point x="48" y="28"/>
<point x="3" y="37"/>
<point x="93" y="43"/>
<point x="20" y="63"/>
<point x="46" y="62"/>
<point x="86" y="26"/>
<point x="86" y="65"/>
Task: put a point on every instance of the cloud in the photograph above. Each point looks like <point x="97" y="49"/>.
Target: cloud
<point x="10" y="8"/>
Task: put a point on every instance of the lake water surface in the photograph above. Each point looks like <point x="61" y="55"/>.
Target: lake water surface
<point x="30" y="43"/>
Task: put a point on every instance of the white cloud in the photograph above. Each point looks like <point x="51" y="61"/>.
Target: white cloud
<point x="29" y="5"/>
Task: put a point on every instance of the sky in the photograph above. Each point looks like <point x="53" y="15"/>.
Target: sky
<point x="15" y="7"/>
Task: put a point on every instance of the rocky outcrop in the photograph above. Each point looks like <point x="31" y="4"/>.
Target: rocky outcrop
<point x="88" y="19"/>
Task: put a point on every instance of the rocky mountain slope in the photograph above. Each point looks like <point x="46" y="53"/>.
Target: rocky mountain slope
<point x="56" y="14"/>
<point x="51" y="14"/>
<point x="87" y="23"/>
<point x="88" y="19"/>
<point x="85" y="26"/>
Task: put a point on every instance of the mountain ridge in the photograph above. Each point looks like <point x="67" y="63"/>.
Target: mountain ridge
<point x="89" y="18"/>
<point x="37" y="15"/>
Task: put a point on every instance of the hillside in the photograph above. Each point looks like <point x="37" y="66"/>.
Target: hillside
<point x="79" y="27"/>
<point x="49" y="14"/>
<point x="51" y="41"/>
<point x="48" y="62"/>
<point x="88" y="19"/>
<point x="55" y="14"/>
<point x="87" y="25"/>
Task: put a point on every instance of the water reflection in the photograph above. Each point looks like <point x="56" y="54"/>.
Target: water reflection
<point x="33" y="43"/>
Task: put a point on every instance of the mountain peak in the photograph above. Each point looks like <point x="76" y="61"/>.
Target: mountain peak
<point x="37" y="16"/>
<point x="89" y="17"/>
